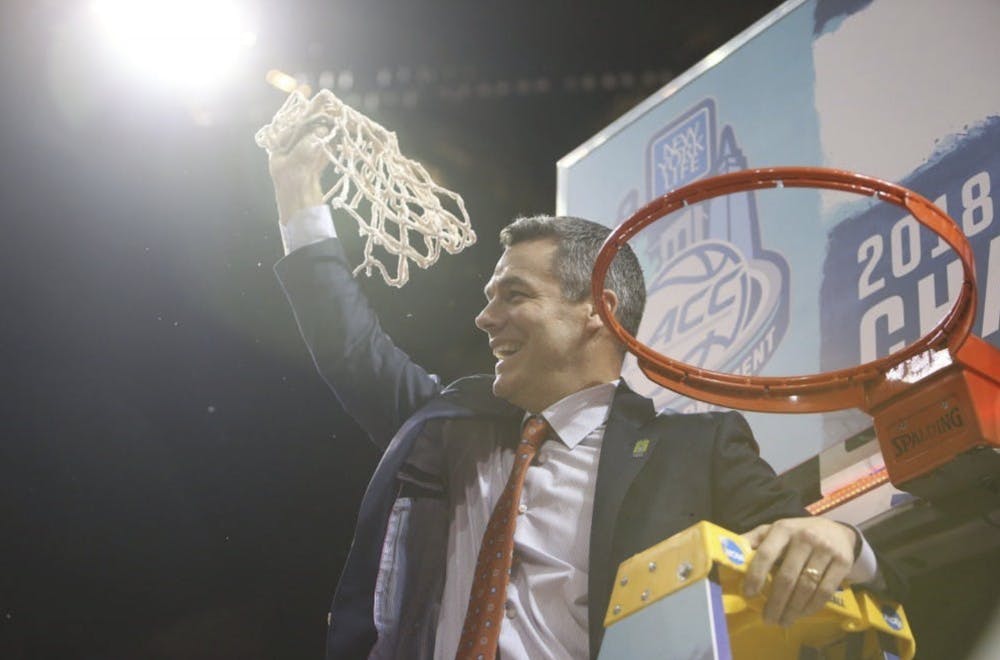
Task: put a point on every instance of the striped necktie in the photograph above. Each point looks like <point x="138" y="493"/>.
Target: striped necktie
<point x="484" y="615"/>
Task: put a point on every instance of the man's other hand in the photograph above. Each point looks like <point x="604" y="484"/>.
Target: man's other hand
<point x="297" y="171"/>
<point x="808" y="558"/>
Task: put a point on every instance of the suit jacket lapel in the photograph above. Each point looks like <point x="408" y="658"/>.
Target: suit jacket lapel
<point x="623" y="453"/>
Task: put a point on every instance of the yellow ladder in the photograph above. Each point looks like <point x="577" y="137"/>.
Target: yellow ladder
<point x="683" y="598"/>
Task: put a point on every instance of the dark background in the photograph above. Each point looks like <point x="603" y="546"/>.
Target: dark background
<point x="175" y="480"/>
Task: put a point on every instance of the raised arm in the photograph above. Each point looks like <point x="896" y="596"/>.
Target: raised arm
<point x="376" y="382"/>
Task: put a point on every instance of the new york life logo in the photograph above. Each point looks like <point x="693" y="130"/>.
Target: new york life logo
<point x="716" y="298"/>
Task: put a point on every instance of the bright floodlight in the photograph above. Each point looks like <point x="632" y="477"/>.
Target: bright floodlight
<point x="190" y="43"/>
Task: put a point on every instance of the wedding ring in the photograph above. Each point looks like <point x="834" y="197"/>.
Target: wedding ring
<point x="814" y="573"/>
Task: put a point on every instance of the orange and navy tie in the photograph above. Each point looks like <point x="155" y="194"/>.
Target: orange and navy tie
<point x="484" y="615"/>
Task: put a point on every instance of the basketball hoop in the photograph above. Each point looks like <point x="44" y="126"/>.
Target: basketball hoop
<point x="935" y="403"/>
<point x="834" y="390"/>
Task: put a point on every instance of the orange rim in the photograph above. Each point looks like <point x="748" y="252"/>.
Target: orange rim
<point x="832" y="390"/>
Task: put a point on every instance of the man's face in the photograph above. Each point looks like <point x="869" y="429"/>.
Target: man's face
<point x="539" y="338"/>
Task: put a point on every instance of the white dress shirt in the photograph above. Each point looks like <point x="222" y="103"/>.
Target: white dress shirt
<point x="307" y="226"/>
<point x="546" y="608"/>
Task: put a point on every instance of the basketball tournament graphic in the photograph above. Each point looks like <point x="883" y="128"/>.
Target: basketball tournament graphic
<point x="717" y="299"/>
<point x="891" y="280"/>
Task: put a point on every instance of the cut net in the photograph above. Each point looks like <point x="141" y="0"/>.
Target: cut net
<point x="396" y="204"/>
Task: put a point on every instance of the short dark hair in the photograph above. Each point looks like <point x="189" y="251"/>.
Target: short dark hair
<point x="578" y="242"/>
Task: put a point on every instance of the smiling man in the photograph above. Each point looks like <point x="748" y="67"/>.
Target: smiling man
<point x="543" y="328"/>
<point x="503" y="504"/>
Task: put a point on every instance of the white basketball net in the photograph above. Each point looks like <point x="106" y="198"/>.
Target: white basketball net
<point x="404" y="205"/>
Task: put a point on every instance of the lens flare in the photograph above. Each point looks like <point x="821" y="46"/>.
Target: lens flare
<point x="185" y="43"/>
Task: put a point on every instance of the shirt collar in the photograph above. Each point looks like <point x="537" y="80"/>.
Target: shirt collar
<point x="574" y="417"/>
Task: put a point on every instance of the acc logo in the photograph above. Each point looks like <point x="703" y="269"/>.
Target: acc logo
<point x="716" y="299"/>
<point x="733" y="551"/>
<point x="892" y="618"/>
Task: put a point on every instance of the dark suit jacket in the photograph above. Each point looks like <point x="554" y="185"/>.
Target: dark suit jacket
<point x="695" y="467"/>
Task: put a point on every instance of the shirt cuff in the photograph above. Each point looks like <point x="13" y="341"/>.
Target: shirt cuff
<point x="865" y="567"/>
<point x="308" y="226"/>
